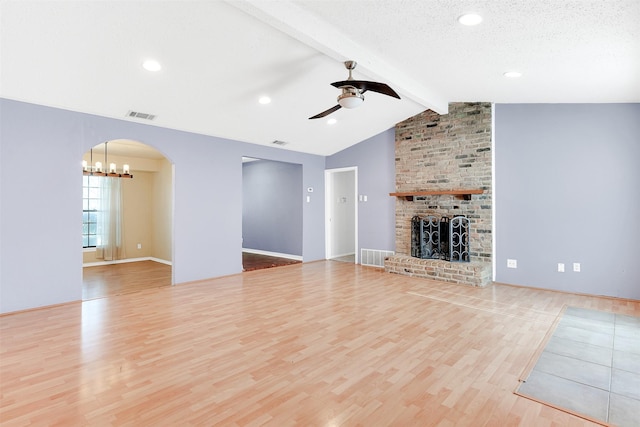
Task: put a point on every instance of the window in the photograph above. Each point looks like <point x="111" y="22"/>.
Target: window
<point x="91" y="213"/>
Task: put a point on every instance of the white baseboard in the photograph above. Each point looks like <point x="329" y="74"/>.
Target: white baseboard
<point x="276" y="254"/>
<point x="124" y="261"/>
<point x="341" y="255"/>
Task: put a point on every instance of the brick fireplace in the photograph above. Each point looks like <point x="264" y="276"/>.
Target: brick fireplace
<point x="443" y="168"/>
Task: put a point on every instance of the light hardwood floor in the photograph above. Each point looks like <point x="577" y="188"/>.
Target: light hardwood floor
<point x="322" y="344"/>
<point x="116" y="279"/>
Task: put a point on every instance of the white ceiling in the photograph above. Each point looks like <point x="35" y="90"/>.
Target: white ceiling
<point x="218" y="57"/>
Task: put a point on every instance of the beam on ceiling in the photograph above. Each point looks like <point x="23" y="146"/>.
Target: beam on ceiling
<point x="322" y="36"/>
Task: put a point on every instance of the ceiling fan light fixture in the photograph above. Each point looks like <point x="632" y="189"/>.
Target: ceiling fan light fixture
<point x="352" y="91"/>
<point x="350" y="98"/>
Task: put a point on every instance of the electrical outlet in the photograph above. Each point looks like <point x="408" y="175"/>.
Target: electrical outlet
<point x="512" y="263"/>
<point x="139" y="245"/>
<point x="561" y="267"/>
<point x="576" y="267"/>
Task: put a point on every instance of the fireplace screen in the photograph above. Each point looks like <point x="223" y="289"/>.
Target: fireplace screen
<point x="440" y="238"/>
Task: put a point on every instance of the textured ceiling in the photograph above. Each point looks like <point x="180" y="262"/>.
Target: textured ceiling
<point x="569" y="51"/>
<point x="219" y="57"/>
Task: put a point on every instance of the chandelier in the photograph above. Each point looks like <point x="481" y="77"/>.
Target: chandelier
<point x="97" y="169"/>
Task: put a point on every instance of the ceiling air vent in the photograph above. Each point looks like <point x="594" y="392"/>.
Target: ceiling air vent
<point x="139" y="115"/>
<point x="277" y="142"/>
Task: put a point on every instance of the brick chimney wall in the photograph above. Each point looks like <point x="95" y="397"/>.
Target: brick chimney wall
<point x="444" y="152"/>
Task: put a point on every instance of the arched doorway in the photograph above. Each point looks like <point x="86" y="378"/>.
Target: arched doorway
<point x="127" y="230"/>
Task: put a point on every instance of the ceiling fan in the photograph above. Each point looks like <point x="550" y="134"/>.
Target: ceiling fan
<point x="353" y="90"/>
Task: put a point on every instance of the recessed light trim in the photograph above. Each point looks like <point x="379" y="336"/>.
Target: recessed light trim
<point x="264" y="100"/>
<point x="151" y="65"/>
<point x="470" y="19"/>
<point x="512" y="74"/>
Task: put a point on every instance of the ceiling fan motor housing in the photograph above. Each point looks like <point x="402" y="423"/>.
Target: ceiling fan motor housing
<point x="350" y="97"/>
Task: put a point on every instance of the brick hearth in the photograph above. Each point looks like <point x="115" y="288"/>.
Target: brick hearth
<point x="445" y="152"/>
<point x="474" y="273"/>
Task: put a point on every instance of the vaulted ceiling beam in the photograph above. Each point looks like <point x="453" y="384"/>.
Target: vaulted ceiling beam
<point x="320" y="35"/>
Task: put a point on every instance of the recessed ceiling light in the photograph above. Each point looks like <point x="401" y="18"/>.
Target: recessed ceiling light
<point x="264" y="100"/>
<point x="512" y="74"/>
<point x="332" y="121"/>
<point x="151" y="65"/>
<point x="470" y="19"/>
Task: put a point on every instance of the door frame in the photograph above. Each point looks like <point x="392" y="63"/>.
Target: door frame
<point x="329" y="207"/>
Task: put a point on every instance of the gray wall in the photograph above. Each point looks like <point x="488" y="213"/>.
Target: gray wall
<point x="567" y="183"/>
<point x="566" y="179"/>
<point x="272" y="202"/>
<point x="375" y="159"/>
<point x="41" y="200"/>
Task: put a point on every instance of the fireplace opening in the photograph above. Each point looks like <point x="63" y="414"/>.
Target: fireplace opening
<point x="440" y="238"/>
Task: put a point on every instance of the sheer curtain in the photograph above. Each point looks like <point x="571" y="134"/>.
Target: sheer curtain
<point x="111" y="245"/>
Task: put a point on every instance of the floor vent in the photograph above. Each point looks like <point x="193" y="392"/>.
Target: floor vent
<point x="374" y="257"/>
<point x="139" y="115"/>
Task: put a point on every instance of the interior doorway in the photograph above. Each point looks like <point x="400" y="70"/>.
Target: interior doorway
<point x="127" y="229"/>
<point x="341" y="215"/>
<point x="272" y="213"/>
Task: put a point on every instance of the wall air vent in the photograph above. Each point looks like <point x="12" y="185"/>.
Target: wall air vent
<point x="139" y="115"/>
<point x="374" y="257"/>
<point x="277" y="142"/>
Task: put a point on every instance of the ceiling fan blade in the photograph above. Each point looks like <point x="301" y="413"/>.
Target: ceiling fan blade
<point x="364" y="85"/>
<point x="327" y="112"/>
<point x="382" y="88"/>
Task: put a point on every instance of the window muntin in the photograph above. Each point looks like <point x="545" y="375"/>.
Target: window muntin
<point x="91" y="214"/>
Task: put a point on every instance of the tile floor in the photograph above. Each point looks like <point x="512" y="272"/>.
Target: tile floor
<point x="591" y="366"/>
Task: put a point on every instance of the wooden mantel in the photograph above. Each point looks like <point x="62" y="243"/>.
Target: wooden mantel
<point x="462" y="193"/>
